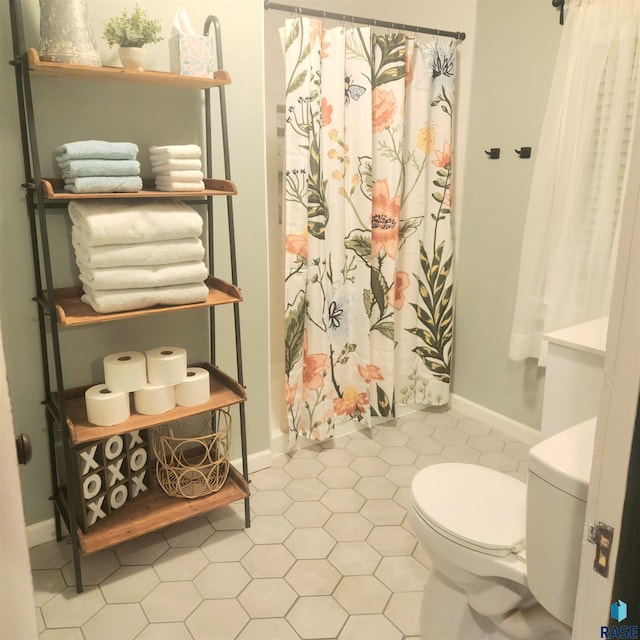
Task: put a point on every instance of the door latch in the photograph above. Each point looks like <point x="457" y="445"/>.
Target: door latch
<point x="601" y="535"/>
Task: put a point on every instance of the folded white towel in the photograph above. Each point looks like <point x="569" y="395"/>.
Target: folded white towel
<point x="103" y="222"/>
<point x="179" y="175"/>
<point x="180" y="186"/>
<point x="97" y="149"/>
<point x="182" y="164"/>
<point x="130" y="299"/>
<point x="176" y="151"/>
<point x="139" y="254"/>
<point x="143" y="277"/>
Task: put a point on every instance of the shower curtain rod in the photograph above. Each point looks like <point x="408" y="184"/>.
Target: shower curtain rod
<point x="458" y="35"/>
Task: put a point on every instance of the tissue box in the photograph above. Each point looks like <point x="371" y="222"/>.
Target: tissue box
<point x="191" y="55"/>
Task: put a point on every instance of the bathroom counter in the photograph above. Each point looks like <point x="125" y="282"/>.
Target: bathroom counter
<point x="590" y="337"/>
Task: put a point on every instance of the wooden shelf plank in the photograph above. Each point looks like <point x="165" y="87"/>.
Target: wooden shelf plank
<point x="118" y="74"/>
<point x="224" y="391"/>
<point x="155" y="510"/>
<point x="72" y="312"/>
<point x="53" y="189"/>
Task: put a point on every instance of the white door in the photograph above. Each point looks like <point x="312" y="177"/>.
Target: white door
<point x="17" y="608"/>
<point x="616" y="417"/>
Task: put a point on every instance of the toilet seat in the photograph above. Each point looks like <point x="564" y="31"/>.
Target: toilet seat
<point x="475" y="507"/>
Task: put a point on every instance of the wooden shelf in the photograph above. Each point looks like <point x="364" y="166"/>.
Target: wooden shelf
<point x="72" y="312"/>
<point x="58" y="70"/>
<point x="225" y="391"/>
<point x="156" y="510"/>
<point x="53" y="189"/>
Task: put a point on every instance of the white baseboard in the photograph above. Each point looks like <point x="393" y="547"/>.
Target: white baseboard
<point x="42" y="532"/>
<point x="495" y="420"/>
<point x="45" y="531"/>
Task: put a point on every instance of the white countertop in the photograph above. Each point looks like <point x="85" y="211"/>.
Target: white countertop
<point x="590" y="337"/>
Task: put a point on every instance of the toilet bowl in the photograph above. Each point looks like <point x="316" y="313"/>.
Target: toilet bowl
<point x="505" y="555"/>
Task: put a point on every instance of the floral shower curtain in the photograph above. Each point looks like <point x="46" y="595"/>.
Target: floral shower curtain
<point x="368" y="279"/>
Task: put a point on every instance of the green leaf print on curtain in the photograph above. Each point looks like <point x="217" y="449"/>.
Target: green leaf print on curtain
<point x="367" y="187"/>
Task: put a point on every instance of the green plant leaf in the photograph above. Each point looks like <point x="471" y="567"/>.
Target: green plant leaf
<point x="384" y="406"/>
<point x="365" y="169"/>
<point x="379" y="289"/>
<point x="409" y="227"/>
<point x="360" y="244"/>
<point x="391" y="59"/>
<point x="387" y="329"/>
<point x="297" y="82"/>
<point x="293" y="34"/>
<point x="436" y="317"/>
<point x="294" y="333"/>
<point x="368" y="300"/>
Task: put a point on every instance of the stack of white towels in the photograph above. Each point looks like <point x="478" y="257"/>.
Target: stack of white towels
<point x="98" y="166"/>
<point x="177" y="167"/>
<point x="135" y="255"/>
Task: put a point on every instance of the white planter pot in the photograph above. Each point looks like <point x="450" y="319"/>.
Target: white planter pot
<point x="132" y="57"/>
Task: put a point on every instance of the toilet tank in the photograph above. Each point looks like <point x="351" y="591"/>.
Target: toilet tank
<point x="558" y="481"/>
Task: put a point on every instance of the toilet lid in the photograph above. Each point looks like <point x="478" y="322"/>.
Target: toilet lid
<point x="476" y="507"/>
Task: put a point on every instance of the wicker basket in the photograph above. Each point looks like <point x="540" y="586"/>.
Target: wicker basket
<point x="193" y="466"/>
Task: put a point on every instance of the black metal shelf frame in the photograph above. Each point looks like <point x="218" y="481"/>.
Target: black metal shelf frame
<point x="66" y="498"/>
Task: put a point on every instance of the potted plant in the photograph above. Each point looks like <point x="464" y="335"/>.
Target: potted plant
<point x="131" y="32"/>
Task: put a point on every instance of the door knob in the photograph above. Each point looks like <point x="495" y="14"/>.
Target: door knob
<point x="23" y="448"/>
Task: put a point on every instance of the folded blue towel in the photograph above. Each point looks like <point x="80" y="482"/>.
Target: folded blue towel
<point x="104" y="184"/>
<point x="97" y="149"/>
<point x="98" y="167"/>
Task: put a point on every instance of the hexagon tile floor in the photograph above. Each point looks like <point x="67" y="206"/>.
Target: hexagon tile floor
<point x="329" y="553"/>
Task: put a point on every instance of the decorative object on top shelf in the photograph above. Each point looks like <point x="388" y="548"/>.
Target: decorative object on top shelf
<point x="192" y="465"/>
<point x="189" y="54"/>
<point x="66" y="35"/>
<point x="131" y="32"/>
<point x="112" y="472"/>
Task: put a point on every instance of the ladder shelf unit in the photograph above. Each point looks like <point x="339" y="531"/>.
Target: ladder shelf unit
<point x="65" y="411"/>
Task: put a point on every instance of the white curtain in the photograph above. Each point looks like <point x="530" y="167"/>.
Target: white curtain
<point x="572" y="226"/>
<point x="368" y="279"/>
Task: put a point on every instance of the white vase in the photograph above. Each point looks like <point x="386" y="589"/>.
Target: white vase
<point x="132" y="57"/>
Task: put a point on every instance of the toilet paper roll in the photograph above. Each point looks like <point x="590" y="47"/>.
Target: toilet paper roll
<point x="106" y="407"/>
<point x="118" y="496"/>
<point x="138" y="459"/>
<point x="153" y="399"/>
<point x="194" y="389"/>
<point x="91" y="486"/>
<point x="166" y="365"/>
<point x="125" y="371"/>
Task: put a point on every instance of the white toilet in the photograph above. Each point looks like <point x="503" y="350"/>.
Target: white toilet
<point x="505" y="555"/>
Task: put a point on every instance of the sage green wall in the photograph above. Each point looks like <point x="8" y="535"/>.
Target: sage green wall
<point x="146" y="115"/>
<point x="516" y="44"/>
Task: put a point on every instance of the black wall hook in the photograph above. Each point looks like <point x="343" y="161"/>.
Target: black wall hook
<point x="559" y="4"/>
<point x="524" y="152"/>
<point x="493" y="153"/>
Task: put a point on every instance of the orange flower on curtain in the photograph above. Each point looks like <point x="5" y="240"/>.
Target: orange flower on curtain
<point x="385" y="220"/>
